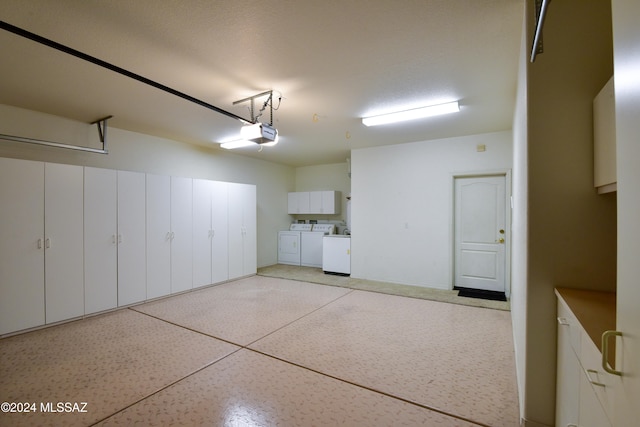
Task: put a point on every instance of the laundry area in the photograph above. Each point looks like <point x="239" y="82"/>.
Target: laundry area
<point x="314" y="242"/>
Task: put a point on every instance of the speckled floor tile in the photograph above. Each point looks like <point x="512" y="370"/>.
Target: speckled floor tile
<point x="245" y="310"/>
<point x="249" y="389"/>
<point x="108" y="361"/>
<point x="450" y="357"/>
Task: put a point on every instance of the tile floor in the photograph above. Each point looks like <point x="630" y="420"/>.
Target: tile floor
<point x="264" y="352"/>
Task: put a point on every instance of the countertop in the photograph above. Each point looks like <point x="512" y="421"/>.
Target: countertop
<point x="595" y="310"/>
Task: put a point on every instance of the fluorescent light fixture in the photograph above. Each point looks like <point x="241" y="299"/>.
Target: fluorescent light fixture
<point x="416" y="113"/>
<point x="238" y="143"/>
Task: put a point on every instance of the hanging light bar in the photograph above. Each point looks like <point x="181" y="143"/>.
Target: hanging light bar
<point x="416" y="113"/>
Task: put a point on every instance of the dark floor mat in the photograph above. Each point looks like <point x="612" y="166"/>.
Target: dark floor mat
<point x="481" y="294"/>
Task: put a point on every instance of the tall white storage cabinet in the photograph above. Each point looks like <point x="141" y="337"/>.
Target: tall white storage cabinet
<point x="63" y="242"/>
<point x="202" y="233"/>
<point x="242" y="230"/>
<point x="210" y="235"/>
<point x="181" y="234"/>
<point x="158" y="236"/>
<point x="100" y="240"/>
<point x="132" y="284"/>
<point x="220" y="231"/>
<point x="21" y="245"/>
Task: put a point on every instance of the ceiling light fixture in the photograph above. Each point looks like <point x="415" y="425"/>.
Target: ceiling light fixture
<point x="415" y="113"/>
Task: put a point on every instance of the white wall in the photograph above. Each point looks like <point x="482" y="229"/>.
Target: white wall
<point x="139" y="152"/>
<point x="402" y="205"/>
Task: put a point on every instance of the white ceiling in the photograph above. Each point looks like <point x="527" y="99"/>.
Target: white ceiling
<point x="332" y="61"/>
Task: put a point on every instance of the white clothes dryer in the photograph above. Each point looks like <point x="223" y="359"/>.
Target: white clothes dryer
<point x="289" y="243"/>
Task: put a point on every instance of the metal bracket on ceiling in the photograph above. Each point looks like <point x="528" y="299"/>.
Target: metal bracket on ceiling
<point x="268" y="102"/>
<point x="102" y="130"/>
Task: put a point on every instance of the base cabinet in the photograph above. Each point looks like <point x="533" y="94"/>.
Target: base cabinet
<point x="582" y="386"/>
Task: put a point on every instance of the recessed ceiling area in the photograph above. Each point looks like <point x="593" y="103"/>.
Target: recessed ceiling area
<point x="331" y="62"/>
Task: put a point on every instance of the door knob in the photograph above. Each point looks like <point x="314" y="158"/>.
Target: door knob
<point x="501" y="240"/>
<point x="501" y="231"/>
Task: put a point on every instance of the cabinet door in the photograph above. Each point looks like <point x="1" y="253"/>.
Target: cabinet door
<point x="331" y="202"/>
<point x="315" y="202"/>
<point x="63" y="226"/>
<point x="21" y="245"/>
<point x="220" y="228"/>
<point x="292" y="203"/>
<point x="304" y="202"/>
<point x="242" y="230"/>
<point x="181" y="234"/>
<point x="202" y="232"/>
<point x="158" y="215"/>
<point x="100" y="240"/>
<point x="568" y="374"/>
<point x="132" y="283"/>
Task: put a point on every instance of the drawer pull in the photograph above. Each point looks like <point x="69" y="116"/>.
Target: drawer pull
<point x="563" y="321"/>
<point x="605" y="351"/>
<point x="592" y="371"/>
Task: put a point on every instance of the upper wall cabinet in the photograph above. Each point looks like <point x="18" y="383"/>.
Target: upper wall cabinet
<point x="604" y="139"/>
<point x="314" y="202"/>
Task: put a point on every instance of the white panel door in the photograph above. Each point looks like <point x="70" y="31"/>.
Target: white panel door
<point x="480" y="232"/>
<point x="202" y="233"/>
<point x="100" y="240"/>
<point x="181" y="234"/>
<point x="21" y="245"/>
<point x="132" y="270"/>
<point x="158" y="199"/>
<point x="64" y="242"/>
<point x="220" y="231"/>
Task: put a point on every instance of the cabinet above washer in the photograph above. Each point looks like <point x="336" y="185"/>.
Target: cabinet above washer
<point x="314" y="202"/>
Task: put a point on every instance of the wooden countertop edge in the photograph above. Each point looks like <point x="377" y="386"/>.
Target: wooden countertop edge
<point x="595" y="310"/>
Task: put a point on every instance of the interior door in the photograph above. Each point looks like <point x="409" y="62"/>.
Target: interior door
<point x="480" y="232"/>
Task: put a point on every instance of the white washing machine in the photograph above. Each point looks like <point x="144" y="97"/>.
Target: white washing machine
<point x="311" y="244"/>
<point x="289" y="243"/>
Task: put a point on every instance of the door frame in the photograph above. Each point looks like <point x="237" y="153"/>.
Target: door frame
<point x="506" y="173"/>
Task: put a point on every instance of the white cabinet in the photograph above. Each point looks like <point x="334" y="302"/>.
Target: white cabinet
<point x="604" y="139"/>
<point x="202" y="233"/>
<point x="181" y="234"/>
<point x="81" y="240"/>
<point x="584" y="391"/>
<point x="242" y="230"/>
<point x="298" y="203"/>
<point x="210" y="236"/>
<point x="132" y="282"/>
<point x="100" y="240"/>
<point x="63" y="242"/>
<point x="220" y="231"/>
<point x="158" y="200"/>
<point x="21" y="245"/>
<point x="324" y="202"/>
<point x="314" y="202"/>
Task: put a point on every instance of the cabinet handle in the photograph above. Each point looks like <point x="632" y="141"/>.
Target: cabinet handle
<point x="563" y="321"/>
<point x="173" y="235"/>
<point x="47" y="243"/>
<point x="605" y="351"/>
<point x="592" y="371"/>
<point x="39" y="245"/>
<point x="119" y="238"/>
<point x="168" y="236"/>
<point x="113" y="239"/>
